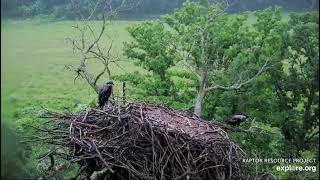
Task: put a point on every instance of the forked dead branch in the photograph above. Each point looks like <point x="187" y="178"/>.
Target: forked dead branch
<point x="144" y="141"/>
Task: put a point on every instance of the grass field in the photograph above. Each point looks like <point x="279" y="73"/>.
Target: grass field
<point x="33" y="58"/>
<point x="33" y="73"/>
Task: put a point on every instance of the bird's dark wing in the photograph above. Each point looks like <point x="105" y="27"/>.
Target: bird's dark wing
<point x="109" y="91"/>
<point x="231" y="120"/>
<point x="104" y="95"/>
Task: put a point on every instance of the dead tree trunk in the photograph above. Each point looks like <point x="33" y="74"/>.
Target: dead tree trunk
<point x="198" y="104"/>
<point x="93" y="50"/>
<point x="201" y="92"/>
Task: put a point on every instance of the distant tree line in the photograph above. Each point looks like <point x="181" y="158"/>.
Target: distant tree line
<point x="70" y="9"/>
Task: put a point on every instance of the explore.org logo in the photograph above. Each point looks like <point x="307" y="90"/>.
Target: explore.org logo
<point x="286" y="164"/>
<point x="296" y="168"/>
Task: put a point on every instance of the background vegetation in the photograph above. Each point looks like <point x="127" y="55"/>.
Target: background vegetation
<point x="147" y="8"/>
<point x="283" y="101"/>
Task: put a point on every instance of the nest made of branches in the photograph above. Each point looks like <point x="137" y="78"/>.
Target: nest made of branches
<point x="145" y="141"/>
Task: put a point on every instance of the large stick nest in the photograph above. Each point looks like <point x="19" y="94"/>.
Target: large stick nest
<point x="146" y="141"/>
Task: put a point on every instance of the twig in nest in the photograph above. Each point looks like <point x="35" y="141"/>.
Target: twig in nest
<point x="147" y="141"/>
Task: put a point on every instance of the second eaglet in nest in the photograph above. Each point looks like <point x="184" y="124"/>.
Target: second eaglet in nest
<point x="236" y="119"/>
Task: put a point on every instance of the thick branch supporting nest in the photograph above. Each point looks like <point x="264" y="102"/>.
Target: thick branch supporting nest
<point x="147" y="141"/>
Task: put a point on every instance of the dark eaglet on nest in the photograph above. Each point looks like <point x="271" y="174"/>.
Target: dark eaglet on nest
<point x="105" y="93"/>
<point x="236" y="119"/>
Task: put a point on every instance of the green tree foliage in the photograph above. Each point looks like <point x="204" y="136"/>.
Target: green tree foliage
<point x="227" y="52"/>
<point x="297" y="85"/>
<point x="14" y="155"/>
<point x="223" y="50"/>
<point x="70" y="9"/>
<point x="264" y="40"/>
<point x="282" y="102"/>
<point x="36" y="8"/>
<point x="151" y="49"/>
<point x="75" y="9"/>
<point x="285" y="100"/>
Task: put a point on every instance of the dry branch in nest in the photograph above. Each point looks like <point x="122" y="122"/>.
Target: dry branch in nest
<point x="145" y="141"/>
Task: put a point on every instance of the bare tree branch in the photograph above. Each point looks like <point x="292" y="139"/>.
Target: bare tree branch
<point x="91" y="49"/>
<point x="240" y="82"/>
<point x="185" y="63"/>
<point x="185" y="56"/>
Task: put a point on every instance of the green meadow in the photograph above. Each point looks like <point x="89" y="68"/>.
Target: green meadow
<point x="34" y="77"/>
<point x="34" y="54"/>
<point x="33" y="73"/>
